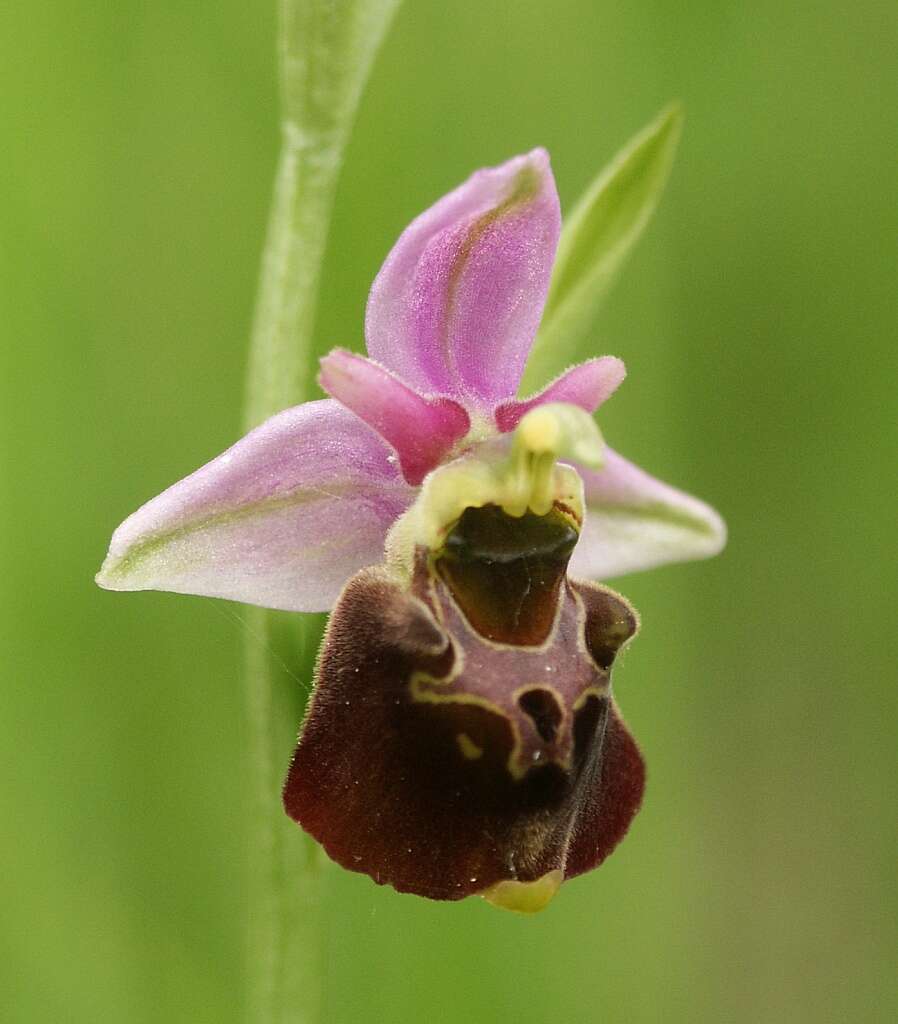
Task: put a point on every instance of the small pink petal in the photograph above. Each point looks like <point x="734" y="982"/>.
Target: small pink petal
<point x="422" y="430"/>
<point x="457" y="302"/>
<point x="634" y="521"/>
<point x="282" y="519"/>
<point x="588" y="385"/>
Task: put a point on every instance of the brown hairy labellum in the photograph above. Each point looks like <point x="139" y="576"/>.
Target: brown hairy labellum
<point x="462" y="737"/>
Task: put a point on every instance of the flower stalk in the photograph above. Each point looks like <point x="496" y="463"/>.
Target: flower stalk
<point x="326" y="51"/>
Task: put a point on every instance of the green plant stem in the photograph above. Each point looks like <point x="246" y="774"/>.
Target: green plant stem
<point x="326" y="48"/>
<point x="284" y="940"/>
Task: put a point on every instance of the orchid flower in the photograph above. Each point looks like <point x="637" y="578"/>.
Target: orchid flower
<point x="462" y="737"/>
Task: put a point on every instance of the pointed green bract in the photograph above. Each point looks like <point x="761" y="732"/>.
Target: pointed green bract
<point x="595" y="241"/>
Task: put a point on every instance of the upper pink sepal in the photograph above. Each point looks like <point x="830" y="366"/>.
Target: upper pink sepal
<point x="456" y="305"/>
<point x="634" y="521"/>
<point x="587" y="385"/>
<point x="282" y="519"/>
<point x="422" y="430"/>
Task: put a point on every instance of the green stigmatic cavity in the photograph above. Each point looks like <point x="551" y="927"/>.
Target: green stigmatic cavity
<point x="505" y="572"/>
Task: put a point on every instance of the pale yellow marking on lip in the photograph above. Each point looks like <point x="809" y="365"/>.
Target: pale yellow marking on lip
<point x="524" y="897"/>
<point x="469" y="749"/>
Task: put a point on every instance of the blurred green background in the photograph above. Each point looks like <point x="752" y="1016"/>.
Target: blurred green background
<point x="757" y="319"/>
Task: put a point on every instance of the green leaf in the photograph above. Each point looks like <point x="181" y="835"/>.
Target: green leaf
<point x="595" y="241"/>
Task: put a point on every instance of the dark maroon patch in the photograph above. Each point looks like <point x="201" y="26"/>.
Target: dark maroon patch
<point x="543" y="708"/>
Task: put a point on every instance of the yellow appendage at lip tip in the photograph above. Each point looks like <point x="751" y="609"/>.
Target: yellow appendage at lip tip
<point x="524" y="897"/>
